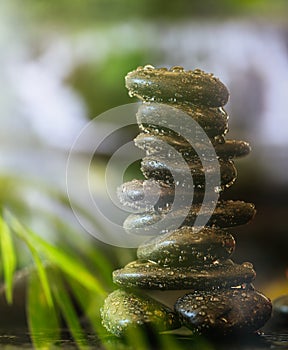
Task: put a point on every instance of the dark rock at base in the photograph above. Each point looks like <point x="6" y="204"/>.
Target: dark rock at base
<point x="149" y="275"/>
<point x="221" y="313"/>
<point x="125" y="311"/>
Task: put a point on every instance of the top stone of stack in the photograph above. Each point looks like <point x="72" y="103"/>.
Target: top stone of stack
<point x="176" y="85"/>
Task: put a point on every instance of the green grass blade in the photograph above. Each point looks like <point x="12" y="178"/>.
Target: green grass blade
<point x="67" y="308"/>
<point x="42" y="277"/>
<point x="56" y="256"/>
<point x="42" y="318"/>
<point x="89" y="305"/>
<point x="69" y="265"/>
<point x="23" y="234"/>
<point x="8" y="255"/>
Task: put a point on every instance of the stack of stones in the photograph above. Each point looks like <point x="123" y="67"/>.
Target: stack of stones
<point x="184" y="275"/>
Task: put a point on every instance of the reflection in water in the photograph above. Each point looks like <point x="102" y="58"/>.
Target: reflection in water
<point x="21" y="339"/>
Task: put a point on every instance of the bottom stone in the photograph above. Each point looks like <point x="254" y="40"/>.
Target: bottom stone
<point x="124" y="311"/>
<point x="226" y="312"/>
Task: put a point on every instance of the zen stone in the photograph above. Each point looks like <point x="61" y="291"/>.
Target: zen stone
<point x="147" y="195"/>
<point x="149" y="275"/>
<point x="224" y="312"/>
<point x="226" y="149"/>
<point x="176" y="84"/>
<point x="172" y="117"/>
<point x="125" y="311"/>
<point x="188" y="246"/>
<point x="226" y="214"/>
<point x="170" y="170"/>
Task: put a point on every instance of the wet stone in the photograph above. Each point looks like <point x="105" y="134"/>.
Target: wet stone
<point x="149" y="275"/>
<point x="175" y="118"/>
<point x="149" y="195"/>
<point x="161" y="144"/>
<point x="171" y="170"/>
<point x="224" y="312"/>
<point x="188" y="246"/>
<point x="197" y="87"/>
<point x="226" y="214"/>
<point x="125" y="311"/>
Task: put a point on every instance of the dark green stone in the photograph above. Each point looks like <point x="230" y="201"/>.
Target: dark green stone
<point x="149" y="275"/>
<point x="176" y="84"/>
<point x="125" y="311"/>
<point x="226" y="214"/>
<point x="169" y="118"/>
<point x="224" y="312"/>
<point x="146" y="195"/>
<point x="188" y="247"/>
<point x="225" y="149"/>
<point x="175" y="170"/>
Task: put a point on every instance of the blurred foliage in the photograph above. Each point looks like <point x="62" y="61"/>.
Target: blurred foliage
<point x="102" y="85"/>
<point x="89" y="11"/>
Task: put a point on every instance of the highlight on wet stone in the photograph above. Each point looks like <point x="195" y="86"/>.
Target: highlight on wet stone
<point x="213" y="295"/>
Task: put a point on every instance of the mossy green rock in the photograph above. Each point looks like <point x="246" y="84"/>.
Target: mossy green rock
<point x="124" y="311"/>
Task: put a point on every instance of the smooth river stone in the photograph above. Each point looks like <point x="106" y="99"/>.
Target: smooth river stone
<point x="226" y="214"/>
<point x="224" y="312"/>
<point x="176" y="84"/>
<point x="171" y="170"/>
<point x="226" y="149"/>
<point x="125" y="311"/>
<point x="171" y="118"/>
<point x="149" y="275"/>
<point x="188" y="246"/>
<point x="146" y="195"/>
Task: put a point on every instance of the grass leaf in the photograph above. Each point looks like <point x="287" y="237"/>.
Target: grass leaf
<point x="9" y="259"/>
<point x="43" y="319"/>
<point x="69" y="265"/>
<point x="58" y="257"/>
<point x="89" y="305"/>
<point x="42" y="277"/>
<point x="67" y="308"/>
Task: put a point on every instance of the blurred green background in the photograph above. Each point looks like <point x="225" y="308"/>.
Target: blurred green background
<point x="63" y="63"/>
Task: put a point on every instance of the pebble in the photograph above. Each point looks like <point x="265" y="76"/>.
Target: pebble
<point x="226" y="149"/>
<point x="197" y="87"/>
<point x="171" y="170"/>
<point x="149" y="195"/>
<point x="226" y="214"/>
<point x="188" y="246"/>
<point x="124" y="311"/>
<point x="224" y="312"/>
<point x="153" y="117"/>
<point x="149" y="275"/>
